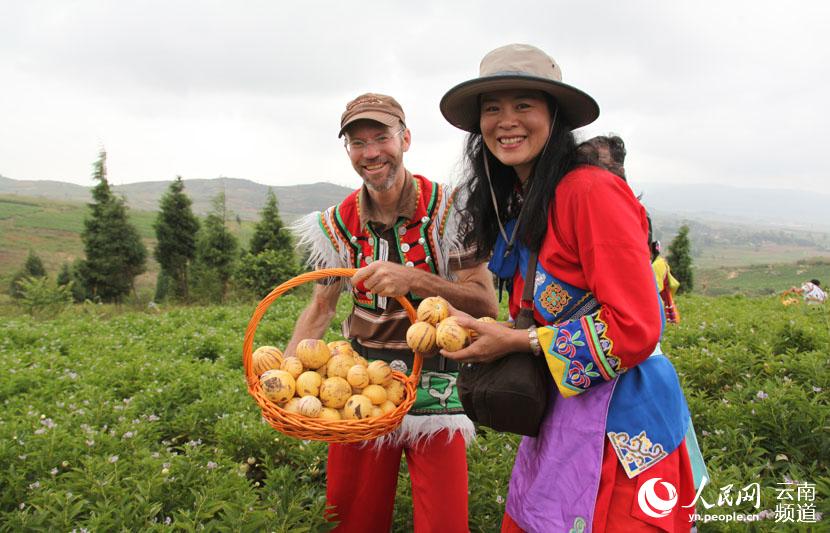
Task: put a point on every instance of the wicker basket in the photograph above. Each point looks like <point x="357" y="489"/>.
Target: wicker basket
<point x="303" y="427"/>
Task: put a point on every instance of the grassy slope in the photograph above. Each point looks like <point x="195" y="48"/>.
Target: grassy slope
<point x="762" y="279"/>
<point x="53" y="230"/>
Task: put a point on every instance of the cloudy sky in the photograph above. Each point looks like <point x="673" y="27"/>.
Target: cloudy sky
<point x="729" y="92"/>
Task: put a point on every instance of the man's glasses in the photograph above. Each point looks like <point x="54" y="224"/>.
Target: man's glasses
<point x="356" y="145"/>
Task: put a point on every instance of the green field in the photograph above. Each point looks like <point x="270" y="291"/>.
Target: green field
<point x="120" y="419"/>
<point x="53" y="230"/>
<point x="763" y="279"/>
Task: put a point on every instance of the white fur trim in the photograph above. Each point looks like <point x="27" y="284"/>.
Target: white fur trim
<point x="415" y="427"/>
<point x="452" y="242"/>
<point x="322" y="253"/>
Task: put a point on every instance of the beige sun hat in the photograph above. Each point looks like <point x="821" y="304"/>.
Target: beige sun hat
<point x="517" y="66"/>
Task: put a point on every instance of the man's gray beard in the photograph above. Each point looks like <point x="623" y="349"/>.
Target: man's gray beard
<point x="386" y="185"/>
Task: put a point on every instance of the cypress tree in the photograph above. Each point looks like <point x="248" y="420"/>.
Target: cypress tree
<point x="271" y="259"/>
<point x="176" y="228"/>
<point x="32" y="268"/>
<point x="114" y="252"/>
<point x="216" y="247"/>
<point x="680" y="259"/>
<point x="64" y="276"/>
<point x="269" y="233"/>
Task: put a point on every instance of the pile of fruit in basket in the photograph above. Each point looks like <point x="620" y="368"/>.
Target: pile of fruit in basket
<point x="327" y="381"/>
<point x="333" y="382"/>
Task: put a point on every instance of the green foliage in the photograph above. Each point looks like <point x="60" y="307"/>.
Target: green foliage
<point x="80" y="290"/>
<point x="262" y="272"/>
<point x="114" y="252"/>
<point x="176" y="228"/>
<point x="215" y="254"/>
<point x="759" y="279"/>
<point x="40" y="297"/>
<point x="269" y="233"/>
<point x="32" y="268"/>
<point x="122" y="420"/>
<point x="64" y="276"/>
<point x="680" y="259"/>
<point x="163" y="287"/>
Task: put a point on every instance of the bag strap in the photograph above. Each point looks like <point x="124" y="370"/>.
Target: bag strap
<point x="525" y="318"/>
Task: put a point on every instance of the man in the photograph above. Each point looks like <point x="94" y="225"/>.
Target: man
<point x="401" y="231"/>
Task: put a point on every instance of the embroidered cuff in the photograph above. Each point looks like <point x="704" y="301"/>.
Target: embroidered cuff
<point x="578" y="354"/>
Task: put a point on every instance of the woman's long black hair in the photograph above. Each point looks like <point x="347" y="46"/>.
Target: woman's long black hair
<point x="481" y="225"/>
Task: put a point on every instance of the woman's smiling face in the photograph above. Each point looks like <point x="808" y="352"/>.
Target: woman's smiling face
<point x="515" y="125"/>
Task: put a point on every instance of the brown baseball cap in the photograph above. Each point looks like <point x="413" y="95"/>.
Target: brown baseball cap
<point x="372" y="106"/>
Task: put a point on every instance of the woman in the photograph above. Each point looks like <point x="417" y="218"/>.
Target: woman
<point x="611" y="453"/>
<point x="667" y="284"/>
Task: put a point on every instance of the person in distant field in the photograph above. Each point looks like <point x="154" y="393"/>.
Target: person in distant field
<point x="811" y="291"/>
<point x="401" y="231"/>
<point x="666" y="283"/>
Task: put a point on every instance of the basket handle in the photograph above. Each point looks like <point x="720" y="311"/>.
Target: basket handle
<point x="248" y="343"/>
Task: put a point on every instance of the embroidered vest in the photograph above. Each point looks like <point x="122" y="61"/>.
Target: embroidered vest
<point x="418" y="241"/>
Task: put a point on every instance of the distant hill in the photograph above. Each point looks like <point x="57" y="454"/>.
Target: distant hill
<point x="244" y="197"/>
<point x="785" y="208"/>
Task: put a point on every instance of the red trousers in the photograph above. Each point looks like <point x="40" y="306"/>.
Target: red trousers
<point x="362" y="481"/>
<point x="617" y="509"/>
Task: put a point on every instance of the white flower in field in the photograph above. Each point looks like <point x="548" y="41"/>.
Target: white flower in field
<point x="128" y="435"/>
<point x="155" y="455"/>
<point x="54" y="471"/>
<point x="153" y="418"/>
<point x="211" y="465"/>
<point x="22" y="457"/>
<point x="704" y="433"/>
<point x="166" y="465"/>
<point x="168" y="520"/>
<point x="816" y="389"/>
<point x="35" y="485"/>
<point x="762" y="395"/>
<point x="90" y="442"/>
<point x="21" y="506"/>
<point x="113" y="459"/>
<point x="500" y="499"/>
<point x="40" y="431"/>
<point x="48" y="422"/>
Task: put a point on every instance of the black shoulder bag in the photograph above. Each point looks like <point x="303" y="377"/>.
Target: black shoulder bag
<point x="511" y="393"/>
